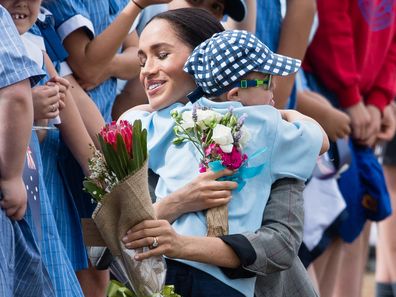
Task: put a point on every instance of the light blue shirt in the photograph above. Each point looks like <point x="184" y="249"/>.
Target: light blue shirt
<point x="15" y="65"/>
<point x="95" y="17"/>
<point x="292" y="150"/>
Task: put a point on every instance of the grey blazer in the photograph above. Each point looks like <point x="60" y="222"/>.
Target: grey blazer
<point x="279" y="271"/>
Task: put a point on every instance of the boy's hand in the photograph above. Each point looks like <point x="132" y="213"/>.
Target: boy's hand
<point x="360" y="119"/>
<point x="14" y="198"/>
<point x="336" y="123"/>
<point x="374" y="126"/>
<point x="46" y="102"/>
<point x="388" y="124"/>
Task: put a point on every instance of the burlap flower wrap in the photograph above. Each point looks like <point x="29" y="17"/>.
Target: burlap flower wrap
<point x="126" y="205"/>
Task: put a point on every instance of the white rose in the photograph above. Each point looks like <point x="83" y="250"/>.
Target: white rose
<point x="187" y="120"/>
<point x="227" y="148"/>
<point x="245" y="137"/>
<point x="205" y="117"/>
<point x="222" y="136"/>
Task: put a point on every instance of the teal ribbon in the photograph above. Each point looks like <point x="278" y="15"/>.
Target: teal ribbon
<point x="243" y="172"/>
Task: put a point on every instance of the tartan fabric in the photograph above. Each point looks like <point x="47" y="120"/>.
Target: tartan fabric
<point x="220" y="61"/>
<point x="52" y="249"/>
<point x="15" y="65"/>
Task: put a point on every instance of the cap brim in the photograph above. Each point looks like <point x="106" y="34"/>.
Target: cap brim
<point x="235" y="9"/>
<point x="280" y="65"/>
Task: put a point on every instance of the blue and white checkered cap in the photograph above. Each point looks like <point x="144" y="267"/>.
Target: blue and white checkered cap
<point x="222" y="60"/>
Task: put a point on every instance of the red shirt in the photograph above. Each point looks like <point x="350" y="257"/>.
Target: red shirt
<point x="354" y="50"/>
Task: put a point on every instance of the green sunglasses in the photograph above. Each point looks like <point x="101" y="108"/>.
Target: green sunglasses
<point x="252" y="83"/>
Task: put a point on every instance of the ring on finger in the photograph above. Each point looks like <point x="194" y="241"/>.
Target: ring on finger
<point x="155" y="243"/>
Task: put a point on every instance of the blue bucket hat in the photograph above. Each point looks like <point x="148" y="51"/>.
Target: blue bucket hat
<point x="220" y="61"/>
<point x="235" y="9"/>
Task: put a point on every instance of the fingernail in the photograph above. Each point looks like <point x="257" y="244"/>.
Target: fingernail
<point x="124" y="238"/>
<point x="137" y="257"/>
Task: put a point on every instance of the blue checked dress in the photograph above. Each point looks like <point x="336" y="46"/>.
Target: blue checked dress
<point x="63" y="207"/>
<point x="54" y="254"/>
<point x="95" y="17"/>
<point x="21" y="270"/>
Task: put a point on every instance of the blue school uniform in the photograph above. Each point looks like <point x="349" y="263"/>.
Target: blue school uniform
<point x="291" y="151"/>
<point x="63" y="207"/>
<point x="21" y="269"/>
<point x="53" y="251"/>
<point x="95" y="17"/>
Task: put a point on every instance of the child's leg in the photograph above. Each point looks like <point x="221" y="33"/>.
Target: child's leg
<point x="93" y="282"/>
<point x="350" y="275"/>
<point x="386" y="243"/>
<point x="327" y="266"/>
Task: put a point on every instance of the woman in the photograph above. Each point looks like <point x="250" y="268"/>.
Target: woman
<point x="164" y="81"/>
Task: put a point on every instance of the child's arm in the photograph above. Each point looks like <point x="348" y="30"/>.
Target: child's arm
<point x="293" y="42"/>
<point x="90" y="58"/>
<point x="336" y="123"/>
<point x="72" y="127"/>
<point x="293" y="115"/>
<point x="89" y="112"/>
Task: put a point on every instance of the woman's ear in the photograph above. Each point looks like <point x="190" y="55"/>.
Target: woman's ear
<point x="232" y="95"/>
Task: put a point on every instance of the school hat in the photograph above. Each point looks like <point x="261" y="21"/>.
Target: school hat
<point x="235" y="9"/>
<point x="218" y="63"/>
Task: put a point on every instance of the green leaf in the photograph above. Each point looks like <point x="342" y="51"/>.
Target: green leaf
<point x="122" y="154"/>
<point x="93" y="189"/>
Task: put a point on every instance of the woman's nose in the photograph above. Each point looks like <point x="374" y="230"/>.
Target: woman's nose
<point x="149" y="68"/>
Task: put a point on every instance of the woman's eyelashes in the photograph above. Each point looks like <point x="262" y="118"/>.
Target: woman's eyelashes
<point x="160" y="56"/>
<point x="163" y="55"/>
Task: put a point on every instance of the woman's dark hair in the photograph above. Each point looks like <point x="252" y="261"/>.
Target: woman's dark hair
<point x="192" y="25"/>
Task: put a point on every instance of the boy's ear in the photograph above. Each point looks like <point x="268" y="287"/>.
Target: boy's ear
<point x="232" y="95"/>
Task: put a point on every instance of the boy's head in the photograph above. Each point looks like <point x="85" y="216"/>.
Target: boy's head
<point x="23" y="12"/>
<point x="238" y="64"/>
<point x="235" y="9"/>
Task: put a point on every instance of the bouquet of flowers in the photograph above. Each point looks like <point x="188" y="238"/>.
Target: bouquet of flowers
<point x="118" y="181"/>
<point x="220" y="140"/>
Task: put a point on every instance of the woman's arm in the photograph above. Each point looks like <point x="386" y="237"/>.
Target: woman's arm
<point x="277" y="242"/>
<point x="211" y="250"/>
<point x="202" y="193"/>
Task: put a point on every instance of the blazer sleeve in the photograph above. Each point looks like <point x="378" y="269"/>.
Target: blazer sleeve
<point x="277" y="242"/>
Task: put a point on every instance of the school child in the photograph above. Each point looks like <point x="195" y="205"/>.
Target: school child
<point x="21" y="266"/>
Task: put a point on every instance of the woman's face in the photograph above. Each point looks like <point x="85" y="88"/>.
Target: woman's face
<point x="23" y="12"/>
<point x="162" y="56"/>
<point x="215" y="7"/>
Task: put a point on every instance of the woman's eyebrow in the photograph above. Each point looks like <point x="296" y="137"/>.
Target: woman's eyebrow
<point x="155" y="47"/>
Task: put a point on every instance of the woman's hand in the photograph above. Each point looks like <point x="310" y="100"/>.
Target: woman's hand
<point x="46" y="101"/>
<point x="144" y="234"/>
<point x="202" y="193"/>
